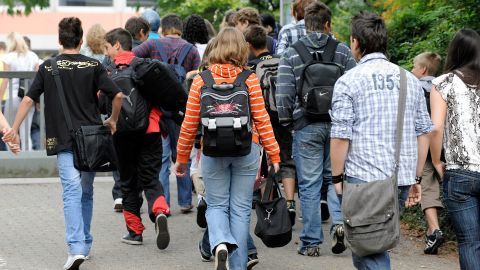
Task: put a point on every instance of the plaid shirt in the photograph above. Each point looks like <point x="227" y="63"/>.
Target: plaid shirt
<point x="364" y="111"/>
<point x="289" y="34"/>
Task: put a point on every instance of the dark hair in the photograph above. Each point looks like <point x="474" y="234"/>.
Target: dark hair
<point x="299" y="8"/>
<point x="122" y="36"/>
<point x="256" y="36"/>
<point x="268" y="20"/>
<point x="3" y="45"/>
<point x="369" y="30"/>
<point x="172" y="25"/>
<point x="317" y="14"/>
<point x="249" y="15"/>
<point x="195" y="30"/>
<point x="229" y="18"/>
<point x="463" y="56"/>
<point x="70" y="32"/>
<point x="135" y="24"/>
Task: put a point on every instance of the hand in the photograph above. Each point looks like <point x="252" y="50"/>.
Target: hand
<point x="414" y="195"/>
<point x="14" y="148"/>
<point x="276" y="167"/>
<point x="111" y="124"/>
<point x="440" y="168"/>
<point x="180" y="169"/>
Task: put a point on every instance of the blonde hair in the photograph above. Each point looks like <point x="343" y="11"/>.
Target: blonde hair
<point x="229" y="47"/>
<point x="16" y="43"/>
<point x="430" y="61"/>
<point x="96" y="39"/>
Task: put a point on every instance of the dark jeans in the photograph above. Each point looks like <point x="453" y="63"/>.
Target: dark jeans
<point x="117" y="186"/>
<point x="461" y="192"/>
<point x="140" y="159"/>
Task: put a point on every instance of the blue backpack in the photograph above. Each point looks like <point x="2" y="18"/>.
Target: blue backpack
<point x="175" y="61"/>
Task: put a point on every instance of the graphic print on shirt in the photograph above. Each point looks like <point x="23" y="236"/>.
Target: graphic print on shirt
<point x="70" y="65"/>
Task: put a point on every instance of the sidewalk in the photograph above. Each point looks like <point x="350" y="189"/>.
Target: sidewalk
<point x="32" y="230"/>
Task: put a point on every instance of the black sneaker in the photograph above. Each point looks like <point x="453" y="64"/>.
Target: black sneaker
<point x="338" y="244"/>
<point x="201" y="212"/>
<point x="161" y="228"/>
<point x="292" y="211"/>
<point x="324" y="210"/>
<point x="252" y="261"/>
<point x="132" y="239"/>
<point x="433" y="242"/>
<point x="206" y="257"/>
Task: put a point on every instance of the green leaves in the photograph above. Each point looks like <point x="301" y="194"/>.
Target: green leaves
<point x="26" y="8"/>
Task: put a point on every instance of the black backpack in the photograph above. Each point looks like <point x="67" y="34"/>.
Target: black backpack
<point x="225" y="116"/>
<point x="317" y="80"/>
<point x="134" y="115"/>
<point x="267" y="73"/>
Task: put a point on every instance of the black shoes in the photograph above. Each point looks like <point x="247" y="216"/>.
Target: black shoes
<point x="132" y="239"/>
<point x="292" y="212"/>
<point x="338" y="244"/>
<point x="252" y="261"/>
<point x="206" y="257"/>
<point x="433" y="242"/>
<point x="201" y="212"/>
<point x="161" y="228"/>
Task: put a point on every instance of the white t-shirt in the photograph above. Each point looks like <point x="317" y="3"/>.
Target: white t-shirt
<point x="201" y="49"/>
<point x="20" y="62"/>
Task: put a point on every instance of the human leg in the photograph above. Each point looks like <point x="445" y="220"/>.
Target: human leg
<point x="87" y="207"/>
<point x="165" y="169"/>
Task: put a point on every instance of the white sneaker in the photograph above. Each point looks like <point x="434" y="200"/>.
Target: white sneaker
<point x="221" y="257"/>
<point x="117" y="205"/>
<point x="73" y="262"/>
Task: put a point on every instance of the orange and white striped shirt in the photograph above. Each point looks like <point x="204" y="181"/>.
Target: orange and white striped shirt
<point x="261" y="126"/>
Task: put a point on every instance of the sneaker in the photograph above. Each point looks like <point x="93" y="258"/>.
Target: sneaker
<point x="186" y="209"/>
<point x="292" y="212"/>
<point x="117" y="205"/>
<point x="132" y="239"/>
<point x="73" y="262"/>
<point x="161" y="228"/>
<point x="324" y="210"/>
<point x="252" y="261"/>
<point x="310" y="251"/>
<point x="221" y="257"/>
<point x="206" y="257"/>
<point x="201" y="211"/>
<point x="338" y="244"/>
<point x="433" y="242"/>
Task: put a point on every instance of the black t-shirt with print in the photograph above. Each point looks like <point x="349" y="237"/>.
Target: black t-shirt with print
<point x="81" y="78"/>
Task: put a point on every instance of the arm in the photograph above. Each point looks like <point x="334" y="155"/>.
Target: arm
<point x="338" y="158"/>
<point x="3" y="86"/>
<point x="439" y="113"/>
<point x="286" y="91"/>
<point x="111" y="122"/>
<point x="282" y="44"/>
<point x="143" y="50"/>
<point x="11" y="135"/>
<point x="3" y="122"/>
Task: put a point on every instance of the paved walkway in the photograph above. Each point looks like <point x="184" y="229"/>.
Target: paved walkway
<point x="32" y="237"/>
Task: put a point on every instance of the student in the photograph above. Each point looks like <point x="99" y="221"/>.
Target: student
<point x="81" y="77"/>
<point x="248" y="17"/>
<point x="228" y="180"/>
<point x="365" y="156"/>
<point x="425" y="67"/>
<point x="140" y="159"/>
<point x="139" y="28"/>
<point x="454" y="103"/>
<point x="311" y="139"/>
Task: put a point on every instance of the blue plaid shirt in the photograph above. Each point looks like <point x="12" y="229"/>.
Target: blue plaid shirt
<point x="289" y="34"/>
<point x="364" y="111"/>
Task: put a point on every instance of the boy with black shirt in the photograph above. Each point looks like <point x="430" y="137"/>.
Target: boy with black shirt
<point x="140" y="158"/>
<point x="81" y="77"/>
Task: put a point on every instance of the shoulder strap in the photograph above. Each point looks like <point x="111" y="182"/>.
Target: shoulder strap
<point x="303" y="51"/>
<point x="61" y="93"/>
<point x="183" y="53"/>
<point x="402" y="98"/>
<point x="161" y="51"/>
<point x="330" y="48"/>
<point x="272" y="183"/>
<point x="243" y="76"/>
<point x="207" y="78"/>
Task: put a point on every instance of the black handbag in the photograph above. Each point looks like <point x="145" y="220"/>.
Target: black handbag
<point x="273" y="221"/>
<point x="93" y="149"/>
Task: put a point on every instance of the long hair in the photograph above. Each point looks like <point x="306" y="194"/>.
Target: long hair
<point x="96" y="39"/>
<point x="16" y="43"/>
<point x="463" y="57"/>
<point x="229" y="47"/>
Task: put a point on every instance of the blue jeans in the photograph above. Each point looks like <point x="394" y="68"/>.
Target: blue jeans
<point x="461" y="192"/>
<point x="311" y="152"/>
<point x="184" y="184"/>
<point x="205" y="244"/>
<point x="77" y="204"/>
<point x="229" y="184"/>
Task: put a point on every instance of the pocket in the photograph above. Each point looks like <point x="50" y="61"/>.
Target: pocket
<point x="460" y="186"/>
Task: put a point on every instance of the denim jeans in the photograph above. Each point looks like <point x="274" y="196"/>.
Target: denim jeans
<point x="229" y="184"/>
<point x="205" y="244"/>
<point x="311" y="152"/>
<point x="77" y="204"/>
<point x="184" y="184"/>
<point x="461" y="191"/>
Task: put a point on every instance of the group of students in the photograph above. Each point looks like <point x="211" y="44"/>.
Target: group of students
<point x="353" y="140"/>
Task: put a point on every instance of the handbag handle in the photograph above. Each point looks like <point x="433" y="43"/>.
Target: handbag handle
<point x="402" y="100"/>
<point x="271" y="182"/>
<point x="61" y="93"/>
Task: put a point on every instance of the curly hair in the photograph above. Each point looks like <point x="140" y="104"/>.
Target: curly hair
<point x="195" y="30"/>
<point x="96" y="38"/>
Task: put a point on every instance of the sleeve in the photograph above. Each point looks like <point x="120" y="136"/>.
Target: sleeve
<point x="104" y="83"/>
<point x="282" y="44"/>
<point x="261" y="119"/>
<point x="286" y="90"/>
<point x="143" y="50"/>
<point x="189" y="128"/>
<point x="193" y="60"/>
<point x="36" y="89"/>
<point x="423" y="123"/>
<point x="444" y="84"/>
<point x="342" y="113"/>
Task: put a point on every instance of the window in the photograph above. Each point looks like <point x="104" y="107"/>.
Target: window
<point x="85" y="3"/>
<point x="141" y="3"/>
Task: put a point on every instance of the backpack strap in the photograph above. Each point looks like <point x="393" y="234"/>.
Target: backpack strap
<point x="183" y="53"/>
<point x="161" y="51"/>
<point x="242" y="77"/>
<point x="207" y="78"/>
<point x="303" y="51"/>
<point x="330" y="48"/>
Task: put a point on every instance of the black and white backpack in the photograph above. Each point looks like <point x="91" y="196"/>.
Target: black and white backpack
<point x="225" y="116"/>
